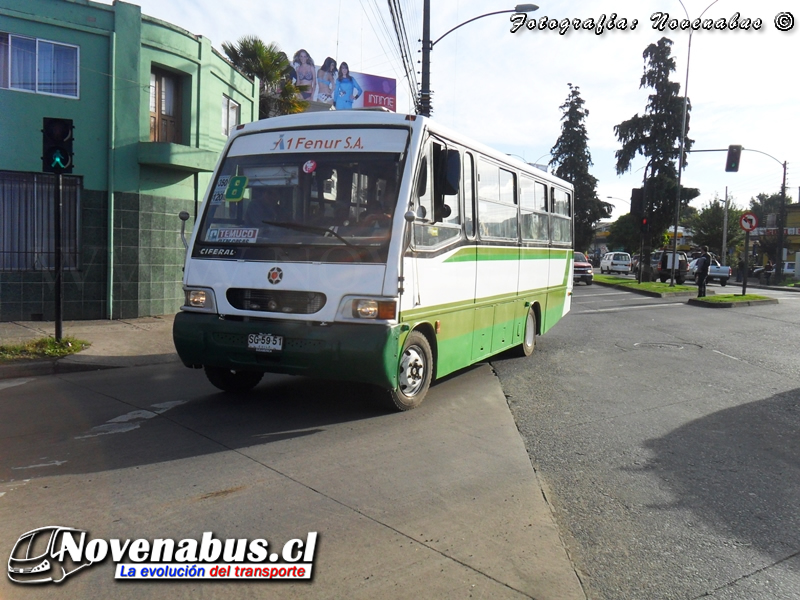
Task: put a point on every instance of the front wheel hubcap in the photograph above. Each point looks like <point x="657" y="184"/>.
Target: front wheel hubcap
<point x="412" y="371"/>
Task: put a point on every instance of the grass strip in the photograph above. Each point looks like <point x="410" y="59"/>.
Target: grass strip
<point x="42" y="348"/>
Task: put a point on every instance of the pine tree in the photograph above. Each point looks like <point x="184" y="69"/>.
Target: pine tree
<point x="572" y="160"/>
<point x="656" y="135"/>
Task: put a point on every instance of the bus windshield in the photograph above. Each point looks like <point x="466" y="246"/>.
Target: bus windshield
<point x="330" y="207"/>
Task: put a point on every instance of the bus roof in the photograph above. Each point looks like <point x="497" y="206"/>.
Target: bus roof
<point x="356" y="117"/>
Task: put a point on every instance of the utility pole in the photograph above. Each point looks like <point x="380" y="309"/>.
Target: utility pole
<point x="725" y="230"/>
<point x="424" y="107"/>
<point x="781" y="221"/>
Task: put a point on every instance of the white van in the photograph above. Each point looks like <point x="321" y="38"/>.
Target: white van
<point x="616" y="262"/>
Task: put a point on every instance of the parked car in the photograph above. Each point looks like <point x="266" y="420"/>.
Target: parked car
<point x="662" y="266"/>
<point x="616" y="262"/>
<point x="716" y="272"/>
<point x="582" y="268"/>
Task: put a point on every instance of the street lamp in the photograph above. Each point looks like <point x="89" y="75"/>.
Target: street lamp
<point x="615" y="198"/>
<point x="424" y="103"/>
<point x="683" y="138"/>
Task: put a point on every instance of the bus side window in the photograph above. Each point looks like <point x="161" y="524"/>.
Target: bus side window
<point x="469" y="196"/>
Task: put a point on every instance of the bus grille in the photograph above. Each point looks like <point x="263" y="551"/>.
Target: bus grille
<point x="276" y="301"/>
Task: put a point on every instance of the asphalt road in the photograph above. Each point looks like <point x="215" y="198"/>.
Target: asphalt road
<point x="667" y="435"/>
<point x="438" y="502"/>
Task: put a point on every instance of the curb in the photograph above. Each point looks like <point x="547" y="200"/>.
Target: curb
<point x="700" y="302"/>
<point x="650" y="294"/>
<point x="55" y="366"/>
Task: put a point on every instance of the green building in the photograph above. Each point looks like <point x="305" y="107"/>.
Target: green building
<point x="151" y="105"/>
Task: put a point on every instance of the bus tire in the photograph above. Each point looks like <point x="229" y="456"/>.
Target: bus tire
<point x="231" y="380"/>
<point x="528" y="344"/>
<point x="414" y="372"/>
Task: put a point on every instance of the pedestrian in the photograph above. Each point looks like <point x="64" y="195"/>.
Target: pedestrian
<point x="768" y="271"/>
<point x="703" y="264"/>
<point x="740" y="269"/>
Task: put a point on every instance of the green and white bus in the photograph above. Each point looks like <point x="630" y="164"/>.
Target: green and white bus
<point x="372" y="247"/>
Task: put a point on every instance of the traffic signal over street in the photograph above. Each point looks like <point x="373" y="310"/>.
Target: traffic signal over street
<point x="734" y="154"/>
<point x="56" y="145"/>
<point x="637" y="201"/>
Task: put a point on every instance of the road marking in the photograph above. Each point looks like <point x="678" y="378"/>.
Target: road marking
<point x="13" y="382"/>
<point x="727" y="355"/>
<point x="55" y="463"/>
<point x="129" y="421"/>
<point x="619" y="308"/>
<point x="606" y="294"/>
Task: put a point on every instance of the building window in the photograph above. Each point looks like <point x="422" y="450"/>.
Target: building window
<point x="165" y="107"/>
<point x="38" y="66"/>
<point x="26" y="221"/>
<point x="230" y="115"/>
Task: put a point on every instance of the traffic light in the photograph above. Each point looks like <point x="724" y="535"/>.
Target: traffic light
<point x="734" y="154"/>
<point x="645" y="224"/>
<point x="56" y="145"/>
<point x="637" y="201"/>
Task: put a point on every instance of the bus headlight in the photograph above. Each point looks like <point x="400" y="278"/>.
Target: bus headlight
<point x="370" y="308"/>
<point x="200" y="299"/>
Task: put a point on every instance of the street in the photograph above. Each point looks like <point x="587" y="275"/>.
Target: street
<point x="667" y="436"/>
<point x="438" y="502"/>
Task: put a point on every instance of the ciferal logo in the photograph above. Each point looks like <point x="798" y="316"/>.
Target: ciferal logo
<point x="41" y="555"/>
<point x="279" y="143"/>
<point x="275" y="275"/>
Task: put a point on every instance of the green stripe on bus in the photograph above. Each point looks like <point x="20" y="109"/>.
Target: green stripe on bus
<point x="469" y="254"/>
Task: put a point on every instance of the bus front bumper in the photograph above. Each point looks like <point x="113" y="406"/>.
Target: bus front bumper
<point x="365" y="353"/>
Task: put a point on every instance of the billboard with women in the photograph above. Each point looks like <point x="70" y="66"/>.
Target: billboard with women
<point x="335" y="84"/>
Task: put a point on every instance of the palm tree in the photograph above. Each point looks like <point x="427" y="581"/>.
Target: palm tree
<point x="278" y="95"/>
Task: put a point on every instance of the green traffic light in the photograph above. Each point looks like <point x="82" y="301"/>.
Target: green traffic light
<point x="59" y="161"/>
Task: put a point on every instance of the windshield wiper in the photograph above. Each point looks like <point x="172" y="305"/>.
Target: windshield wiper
<point x="312" y="229"/>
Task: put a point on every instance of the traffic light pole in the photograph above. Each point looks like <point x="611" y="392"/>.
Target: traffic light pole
<point x="58" y="255"/>
<point x="746" y="261"/>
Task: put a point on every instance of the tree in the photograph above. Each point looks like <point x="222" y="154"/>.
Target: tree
<point x="572" y="159"/>
<point x="707" y="226"/>
<point x="278" y="95"/>
<point x="656" y="135"/>
<point x="688" y="213"/>
<point x="766" y="207"/>
<point x="625" y="233"/>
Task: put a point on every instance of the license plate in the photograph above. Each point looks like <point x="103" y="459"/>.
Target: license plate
<point x="264" y="342"/>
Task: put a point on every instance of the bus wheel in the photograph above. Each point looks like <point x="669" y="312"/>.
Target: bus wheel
<point x="528" y="344"/>
<point x="231" y="380"/>
<point x="413" y="373"/>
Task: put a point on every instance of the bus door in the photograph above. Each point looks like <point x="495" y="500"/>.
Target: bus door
<point x="498" y="258"/>
<point x="443" y="273"/>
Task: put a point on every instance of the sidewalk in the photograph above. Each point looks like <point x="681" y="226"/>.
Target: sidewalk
<point x="752" y="282"/>
<point x="120" y="343"/>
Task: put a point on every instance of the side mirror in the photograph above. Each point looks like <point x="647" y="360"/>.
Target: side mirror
<point x="452" y="172"/>
<point x="184" y="216"/>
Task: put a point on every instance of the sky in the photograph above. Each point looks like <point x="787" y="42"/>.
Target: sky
<point x="505" y="89"/>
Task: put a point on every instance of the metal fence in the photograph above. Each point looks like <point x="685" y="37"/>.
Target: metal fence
<point x="26" y="221"/>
